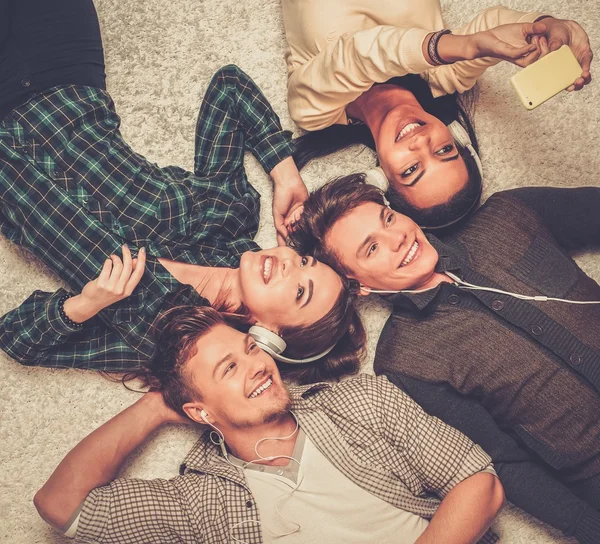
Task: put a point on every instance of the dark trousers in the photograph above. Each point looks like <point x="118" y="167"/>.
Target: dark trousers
<point x="46" y="43"/>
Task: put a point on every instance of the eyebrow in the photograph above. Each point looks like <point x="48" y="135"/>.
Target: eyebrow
<point x="225" y="359"/>
<point x="417" y="179"/>
<point x="311" y="286"/>
<point x="369" y="238"/>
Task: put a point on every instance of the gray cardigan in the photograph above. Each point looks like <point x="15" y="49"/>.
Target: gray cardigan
<point x="521" y="378"/>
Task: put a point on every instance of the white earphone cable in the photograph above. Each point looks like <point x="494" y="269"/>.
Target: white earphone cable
<point x="221" y="443"/>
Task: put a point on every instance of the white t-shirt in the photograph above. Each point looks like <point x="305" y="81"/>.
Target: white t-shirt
<point x="327" y="505"/>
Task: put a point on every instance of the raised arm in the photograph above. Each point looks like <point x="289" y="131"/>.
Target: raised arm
<point x="320" y="89"/>
<point x="572" y="215"/>
<point x="526" y="483"/>
<point x="234" y="117"/>
<point x="96" y="460"/>
<point x="47" y="330"/>
<point x="461" y="76"/>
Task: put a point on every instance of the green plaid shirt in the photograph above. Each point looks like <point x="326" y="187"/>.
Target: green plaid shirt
<point x="73" y="192"/>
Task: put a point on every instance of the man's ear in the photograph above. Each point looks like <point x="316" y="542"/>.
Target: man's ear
<point x="194" y="410"/>
<point x="364" y="291"/>
<point x="358" y="288"/>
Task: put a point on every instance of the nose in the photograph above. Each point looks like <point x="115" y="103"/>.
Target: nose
<point x="256" y="367"/>
<point x="419" y="140"/>
<point x="287" y="265"/>
<point x="394" y="239"/>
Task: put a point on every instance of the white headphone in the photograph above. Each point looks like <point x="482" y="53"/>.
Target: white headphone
<point x="377" y="177"/>
<point x="274" y="345"/>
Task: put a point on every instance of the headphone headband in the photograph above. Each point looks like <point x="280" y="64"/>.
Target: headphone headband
<point x="274" y="345"/>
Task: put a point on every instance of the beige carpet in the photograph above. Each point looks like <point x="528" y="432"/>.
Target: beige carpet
<point x="160" y="56"/>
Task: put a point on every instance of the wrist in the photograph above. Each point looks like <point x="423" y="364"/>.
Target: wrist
<point x="454" y="48"/>
<point x="78" y="309"/>
<point x="285" y="171"/>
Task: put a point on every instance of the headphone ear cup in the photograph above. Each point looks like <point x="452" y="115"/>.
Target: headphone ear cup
<point x="269" y="341"/>
<point x="377" y="177"/>
<point x="460" y="134"/>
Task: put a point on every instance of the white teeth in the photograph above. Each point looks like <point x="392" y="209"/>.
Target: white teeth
<point x="411" y="254"/>
<point x="262" y="388"/>
<point x="267" y="268"/>
<point x="408" y="128"/>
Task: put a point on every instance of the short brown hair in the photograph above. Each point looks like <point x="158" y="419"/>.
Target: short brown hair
<point x="176" y="333"/>
<point x="323" y="209"/>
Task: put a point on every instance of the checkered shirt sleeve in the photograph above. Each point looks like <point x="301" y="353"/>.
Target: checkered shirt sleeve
<point x="235" y="116"/>
<point x="34" y="333"/>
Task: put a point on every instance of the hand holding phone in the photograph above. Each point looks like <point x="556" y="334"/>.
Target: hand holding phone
<point x="546" y="77"/>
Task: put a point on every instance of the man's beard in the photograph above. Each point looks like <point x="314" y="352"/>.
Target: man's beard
<point x="280" y="413"/>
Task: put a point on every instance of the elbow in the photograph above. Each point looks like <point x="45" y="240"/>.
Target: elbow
<point x="496" y="497"/>
<point x="44" y="504"/>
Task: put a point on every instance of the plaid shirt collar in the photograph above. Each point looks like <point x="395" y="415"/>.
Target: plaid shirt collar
<point x="452" y="256"/>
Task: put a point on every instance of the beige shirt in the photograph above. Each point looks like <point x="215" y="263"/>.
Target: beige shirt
<point x="337" y="49"/>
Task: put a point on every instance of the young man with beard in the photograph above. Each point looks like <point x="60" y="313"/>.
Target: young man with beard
<point x="520" y="377"/>
<point x="355" y="462"/>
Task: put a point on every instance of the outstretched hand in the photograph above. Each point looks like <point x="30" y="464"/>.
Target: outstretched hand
<point x="512" y="42"/>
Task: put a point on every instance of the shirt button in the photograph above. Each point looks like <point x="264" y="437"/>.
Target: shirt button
<point x="497" y="305"/>
<point x="280" y="472"/>
<point x="575" y="359"/>
<point x="249" y="504"/>
<point x="453" y="299"/>
<point x="262" y="469"/>
<point x="25" y="83"/>
<point x="536" y="330"/>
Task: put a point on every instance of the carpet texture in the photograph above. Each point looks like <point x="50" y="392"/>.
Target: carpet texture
<point x="160" y="56"/>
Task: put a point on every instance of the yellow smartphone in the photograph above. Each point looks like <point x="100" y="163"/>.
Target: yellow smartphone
<point x="546" y="77"/>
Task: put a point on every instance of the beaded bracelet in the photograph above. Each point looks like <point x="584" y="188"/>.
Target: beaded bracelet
<point x="432" y="47"/>
<point x="63" y="314"/>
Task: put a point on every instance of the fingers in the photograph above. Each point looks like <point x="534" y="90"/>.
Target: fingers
<point x="586" y="62"/>
<point x="139" y="266"/>
<point x="281" y="240"/>
<point x="121" y="281"/>
<point x="544" y="48"/>
<point x="106" y="270"/>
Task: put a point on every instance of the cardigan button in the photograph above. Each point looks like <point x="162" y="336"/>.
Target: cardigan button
<point x="25" y="83"/>
<point x="536" y="330"/>
<point x="453" y="299"/>
<point x="575" y="359"/>
<point x="497" y="305"/>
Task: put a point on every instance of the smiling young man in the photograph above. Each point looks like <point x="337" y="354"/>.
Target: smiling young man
<point x="519" y="377"/>
<point x="355" y="462"/>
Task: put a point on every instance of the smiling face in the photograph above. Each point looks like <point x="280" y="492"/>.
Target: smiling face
<point x="283" y="289"/>
<point x="383" y="249"/>
<point x="418" y="155"/>
<point x="239" y="383"/>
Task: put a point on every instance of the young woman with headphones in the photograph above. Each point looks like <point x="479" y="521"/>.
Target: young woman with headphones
<point x="76" y="195"/>
<point x="352" y="79"/>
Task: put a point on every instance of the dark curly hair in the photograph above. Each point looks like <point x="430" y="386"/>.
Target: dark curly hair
<point x="447" y="108"/>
